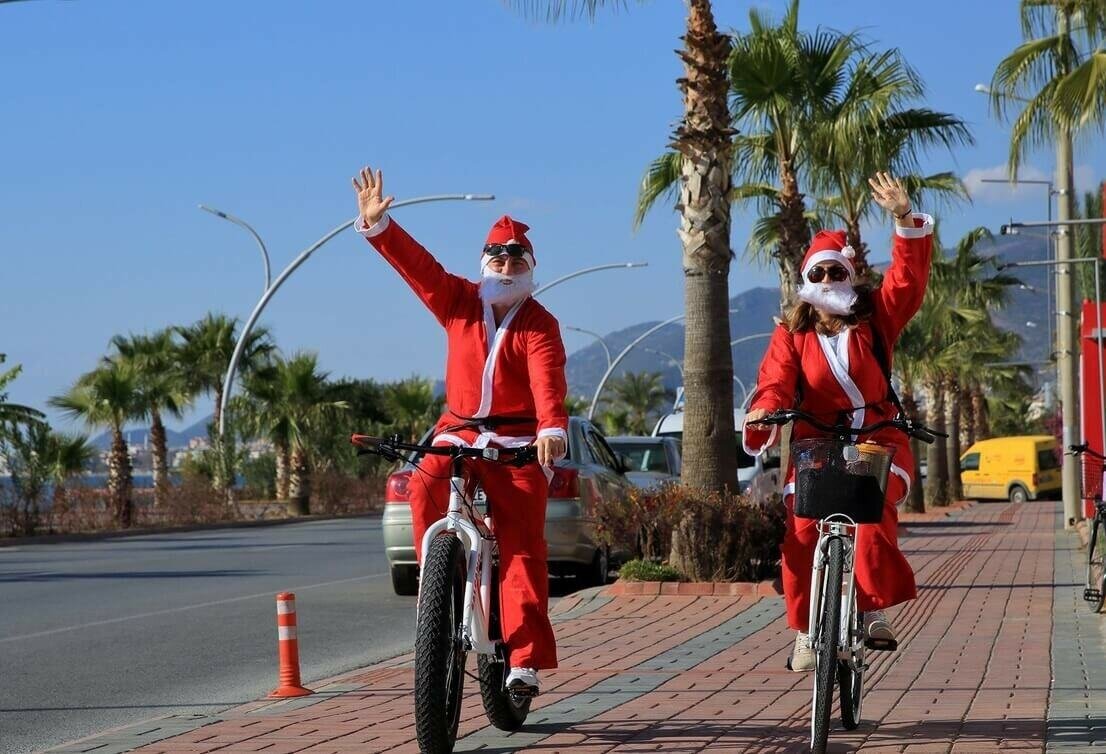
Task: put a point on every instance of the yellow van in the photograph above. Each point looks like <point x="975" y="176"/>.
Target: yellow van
<point x="1015" y="468"/>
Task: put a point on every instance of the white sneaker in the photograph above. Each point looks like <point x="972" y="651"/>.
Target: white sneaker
<point x="523" y="681"/>
<point x="879" y="632"/>
<point x="802" y="656"/>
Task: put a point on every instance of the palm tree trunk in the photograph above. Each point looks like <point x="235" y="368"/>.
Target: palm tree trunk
<point x="794" y="233"/>
<point x="300" y="483"/>
<point x="218" y="414"/>
<point x="981" y="426"/>
<point x="120" y="480"/>
<point x="967" y="414"/>
<point x="915" y="501"/>
<point x="952" y="444"/>
<point x="705" y="140"/>
<point x="283" y="462"/>
<point x="937" y="479"/>
<point x="160" y="459"/>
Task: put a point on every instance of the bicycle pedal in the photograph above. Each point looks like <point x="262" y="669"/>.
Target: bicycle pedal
<point x="881" y="645"/>
<point x="520" y="692"/>
<point x="1092" y="595"/>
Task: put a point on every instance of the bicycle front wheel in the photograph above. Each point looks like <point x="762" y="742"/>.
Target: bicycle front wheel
<point x="850" y="672"/>
<point x="439" y="652"/>
<point x="1095" y="593"/>
<point x="504" y="710"/>
<point x="825" y="647"/>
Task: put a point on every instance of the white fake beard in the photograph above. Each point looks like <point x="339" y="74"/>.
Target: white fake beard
<point x="497" y="288"/>
<point x="832" y="298"/>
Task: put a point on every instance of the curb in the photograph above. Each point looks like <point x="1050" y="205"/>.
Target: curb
<point x="696" y="588"/>
<point x="91" y="536"/>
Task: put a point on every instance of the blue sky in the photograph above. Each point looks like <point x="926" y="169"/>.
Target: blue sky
<point x="120" y="117"/>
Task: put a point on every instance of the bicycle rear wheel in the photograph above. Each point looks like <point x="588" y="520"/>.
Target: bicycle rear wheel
<point x="439" y="652"/>
<point x="504" y="710"/>
<point x="850" y="672"/>
<point x="1095" y="592"/>
<point x="825" y="647"/>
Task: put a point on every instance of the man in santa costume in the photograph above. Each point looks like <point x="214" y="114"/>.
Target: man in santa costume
<point x="824" y="360"/>
<point x="505" y="386"/>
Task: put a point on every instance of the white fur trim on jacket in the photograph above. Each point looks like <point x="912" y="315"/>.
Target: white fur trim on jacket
<point x="925" y="230"/>
<point x="375" y="230"/>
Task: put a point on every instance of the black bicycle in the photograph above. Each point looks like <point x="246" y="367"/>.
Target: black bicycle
<point x="839" y="483"/>
<point x="1090" y="484"/>
<point x="458" y="603"/>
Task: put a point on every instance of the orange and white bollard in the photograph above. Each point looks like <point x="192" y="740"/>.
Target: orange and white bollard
<point x="288" y="649"/>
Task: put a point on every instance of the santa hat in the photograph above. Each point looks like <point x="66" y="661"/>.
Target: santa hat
<point x="830" y="246"/>
<point x="507" y="230"/>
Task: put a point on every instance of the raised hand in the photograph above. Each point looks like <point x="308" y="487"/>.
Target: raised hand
<point x="890" y="194"/>
<point x="370" y="195"/>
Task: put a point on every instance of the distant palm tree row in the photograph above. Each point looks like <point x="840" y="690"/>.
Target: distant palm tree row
<point x="286" y="400"/>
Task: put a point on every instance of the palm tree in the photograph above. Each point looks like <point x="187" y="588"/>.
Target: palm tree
<point x="13" y="413"/>
<point x="264" y="416"/>
<point x="69" y="456"/>
<point x="1088" y="242"/>
<point x="412" y="406"/>
<point x="704" y="143"/>
<point x="206" y="351"/>
<point x="108" y="397"/>
<point x="158" y="368"/>
<point x="640" y="394"/>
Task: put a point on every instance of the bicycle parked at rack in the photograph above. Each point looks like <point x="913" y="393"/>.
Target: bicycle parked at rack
<point x="458" y="602"/>
<point x="1090" y="485"/>
<point x="840" y="484"/>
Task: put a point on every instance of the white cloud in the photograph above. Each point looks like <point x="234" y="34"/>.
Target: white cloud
<point x="982" y="191"/>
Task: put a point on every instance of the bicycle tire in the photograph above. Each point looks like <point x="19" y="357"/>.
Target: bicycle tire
<point x="825" y="673"/>
<point x="1096" y="571"/>
<point x="850" y="675"/>
<point x="504" y="710"/>
<point x="439" y="654"/>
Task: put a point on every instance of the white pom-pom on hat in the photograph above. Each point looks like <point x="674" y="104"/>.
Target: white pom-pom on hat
<point x="848" y="252"/>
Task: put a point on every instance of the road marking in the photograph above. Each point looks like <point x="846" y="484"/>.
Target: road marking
<point x="182" y="608"/>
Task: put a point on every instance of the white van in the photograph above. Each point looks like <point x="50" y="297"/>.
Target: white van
<point x="758" y="477"/>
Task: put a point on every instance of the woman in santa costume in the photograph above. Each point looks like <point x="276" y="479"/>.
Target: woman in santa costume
<point x="822" y="361"/>
<point x="505" y="387"/>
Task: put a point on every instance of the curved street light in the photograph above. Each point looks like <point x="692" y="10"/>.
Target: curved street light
<point x="595" y="335"/>
<point x="622" y="355"/>
<point x="228" y="381"/>
<point x="252" y="232"/>
<point x="585" y="271"/>
<point x="672" y="359"/>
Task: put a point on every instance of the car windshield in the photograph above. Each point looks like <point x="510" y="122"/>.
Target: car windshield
<point x="644" y="457"/>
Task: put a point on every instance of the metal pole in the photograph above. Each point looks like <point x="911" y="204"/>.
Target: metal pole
<point x="256" y="237"/>
<point x="228" y="381"/>
<point x="578" y="273"/>
<point x="675" y="362"/>
<point x="621" y="356"/>
<point x="1098" y="334"/>
<point x="595" y="335"/>
<point x="750" y="337"/>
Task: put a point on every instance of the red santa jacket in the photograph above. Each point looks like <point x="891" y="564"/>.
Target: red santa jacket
<point x="516" y="370"/>
<point x="828" y="375"/>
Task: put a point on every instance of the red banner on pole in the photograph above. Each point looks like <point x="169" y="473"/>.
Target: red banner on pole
<point x="1102" y="213"/>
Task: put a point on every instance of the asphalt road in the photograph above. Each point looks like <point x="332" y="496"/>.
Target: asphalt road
<point x="100" y="634"/>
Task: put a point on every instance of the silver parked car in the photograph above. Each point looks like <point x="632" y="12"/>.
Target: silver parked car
<point x="652" y="461"/>
<point x="589" y="474"/>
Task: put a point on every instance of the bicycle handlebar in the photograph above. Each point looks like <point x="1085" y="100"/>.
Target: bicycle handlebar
<point x="392" y="448"/>
<point x="917" y="431"/>
<point x="1077" y="450"/>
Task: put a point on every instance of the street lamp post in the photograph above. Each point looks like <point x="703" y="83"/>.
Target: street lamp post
<point x="585" y="271"/>
<point x="622" y="354"/>
<point x="595" y="335"/>
<point x="228" y="381"/>
<point x="670" y="358"/>
<point x="242" y="223"/>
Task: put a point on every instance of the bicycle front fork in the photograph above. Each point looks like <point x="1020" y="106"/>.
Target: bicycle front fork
<point x="846" y="532"/>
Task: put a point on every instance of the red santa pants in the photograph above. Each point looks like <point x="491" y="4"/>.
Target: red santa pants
<point x="883" y="576"/>
<point x="518" y="497"/>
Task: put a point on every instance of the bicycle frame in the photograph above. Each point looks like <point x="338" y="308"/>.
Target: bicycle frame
<point x="843" y="528"/>
<point x="478" y="563"/>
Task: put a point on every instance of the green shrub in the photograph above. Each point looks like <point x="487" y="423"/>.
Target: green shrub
<point x="644" y="570"/>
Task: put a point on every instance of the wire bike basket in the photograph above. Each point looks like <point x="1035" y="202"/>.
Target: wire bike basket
<point x="1090" y="476"/>
<point x="841" y="478"/>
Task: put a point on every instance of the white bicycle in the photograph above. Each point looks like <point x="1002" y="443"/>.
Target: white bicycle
<point x="839" y="483"/>
<point x="458" y="603"/>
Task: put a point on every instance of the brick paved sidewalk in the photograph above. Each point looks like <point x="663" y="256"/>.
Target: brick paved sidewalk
<point x="998" y="617"/>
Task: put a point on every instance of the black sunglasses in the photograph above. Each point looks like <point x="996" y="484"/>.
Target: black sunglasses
<point x="836" y="273"/>
<point x="516" y="250"/>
